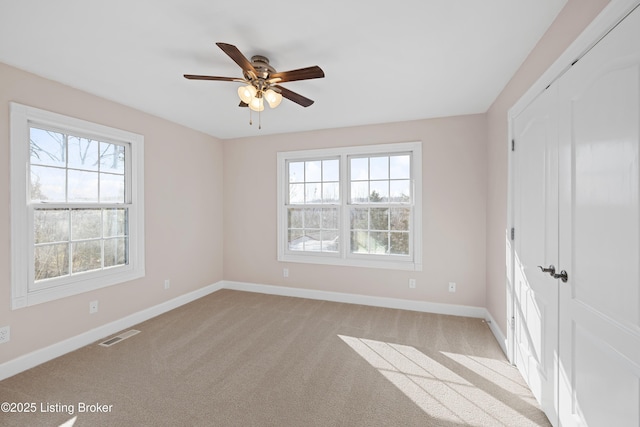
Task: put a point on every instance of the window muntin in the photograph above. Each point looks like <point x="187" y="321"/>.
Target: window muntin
<point x="377" y="207"/>
<point x="383" y="231"/>
<point x="71" y="241"/>
<point x="70" y="169"/>
<point x="77" y="206"/>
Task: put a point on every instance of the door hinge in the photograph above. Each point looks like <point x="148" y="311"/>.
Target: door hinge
<point x="513" y="233"/>
<point x="513" y="323"/>
<point x="513" y="145"/>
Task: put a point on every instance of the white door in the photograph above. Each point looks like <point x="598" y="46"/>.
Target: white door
<point x="599" y="347"/>
<point x="536" y="244"/>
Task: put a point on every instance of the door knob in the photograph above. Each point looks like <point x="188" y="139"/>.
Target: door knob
<point x="562" y="276"/>
<point x="551" y="269"/>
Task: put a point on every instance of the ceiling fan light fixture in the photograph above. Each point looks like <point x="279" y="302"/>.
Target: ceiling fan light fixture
<point x="247" y="93"/>
<point x="273" y="98"/>
<point x="256" y="104"/>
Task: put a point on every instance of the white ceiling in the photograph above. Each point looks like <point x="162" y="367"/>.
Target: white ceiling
<point x="384" y="61"/>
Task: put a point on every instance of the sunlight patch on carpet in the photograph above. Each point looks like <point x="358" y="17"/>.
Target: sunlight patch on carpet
<point x="69" y="423"/>
<point x="448" y="389"/>
<point x="496" y="371"/>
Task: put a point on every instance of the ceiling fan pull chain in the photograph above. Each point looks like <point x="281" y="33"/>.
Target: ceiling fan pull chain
<point x="250" y="116"/>
<point x="259" y="120"/>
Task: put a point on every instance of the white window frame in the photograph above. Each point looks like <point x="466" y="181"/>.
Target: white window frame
<point x="24" y="292"/>
<point x="343" y="256"/>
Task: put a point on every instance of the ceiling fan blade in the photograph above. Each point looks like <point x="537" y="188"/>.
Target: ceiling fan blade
<point x="238" y="57"/>
<point x="223" y="79"/>
<point x="292" y="96"/>
<point x="307" y="73"/>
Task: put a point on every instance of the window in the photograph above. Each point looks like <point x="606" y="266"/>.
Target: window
<point x="313" y="208"/>
<point x="357" y="206"/>
<point x="380" y="204"/>
<point x="77" y="206"/>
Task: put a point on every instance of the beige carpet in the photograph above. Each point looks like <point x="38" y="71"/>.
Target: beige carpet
<point x="245" y="359"/>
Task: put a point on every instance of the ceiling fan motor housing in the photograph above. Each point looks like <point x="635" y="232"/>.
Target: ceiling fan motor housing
<point x="261" y="65"/>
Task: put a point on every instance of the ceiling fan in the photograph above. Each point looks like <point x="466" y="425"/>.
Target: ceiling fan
<point x="262" y="81"/>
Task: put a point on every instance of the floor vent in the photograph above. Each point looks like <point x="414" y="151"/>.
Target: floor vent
<point x="118" y="338"/>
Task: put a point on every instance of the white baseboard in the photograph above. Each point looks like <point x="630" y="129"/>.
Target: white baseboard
<point x="45" y="354"/>
<point x="402" y="304"/>
<point x="502" y="340"/>
<point x="40" y="356"/>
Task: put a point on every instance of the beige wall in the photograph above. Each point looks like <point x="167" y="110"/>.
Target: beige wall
<point x="571" y="21"/>
<point x="454" y="192"/>
<point x="183" y="214"/>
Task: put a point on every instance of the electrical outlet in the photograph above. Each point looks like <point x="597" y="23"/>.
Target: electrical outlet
<point x="93" y="307"/>
<point x="452" y="286"/>
<point x="412" y="283"/>
<point x="285" y="272"/>
<point x="5" y="334"/>
<point x="167" y="283"/>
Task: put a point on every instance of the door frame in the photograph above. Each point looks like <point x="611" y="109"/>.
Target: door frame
<point x="610" y="16"/>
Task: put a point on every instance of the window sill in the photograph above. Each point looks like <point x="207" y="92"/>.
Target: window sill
<point x="352" y="262"/>
<point x="78" y="286"/>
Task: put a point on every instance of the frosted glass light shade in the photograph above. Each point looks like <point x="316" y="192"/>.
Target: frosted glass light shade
<point x="247" y="93"/>
<point x="273" y="98"/>
<point x="257" y="104"/>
